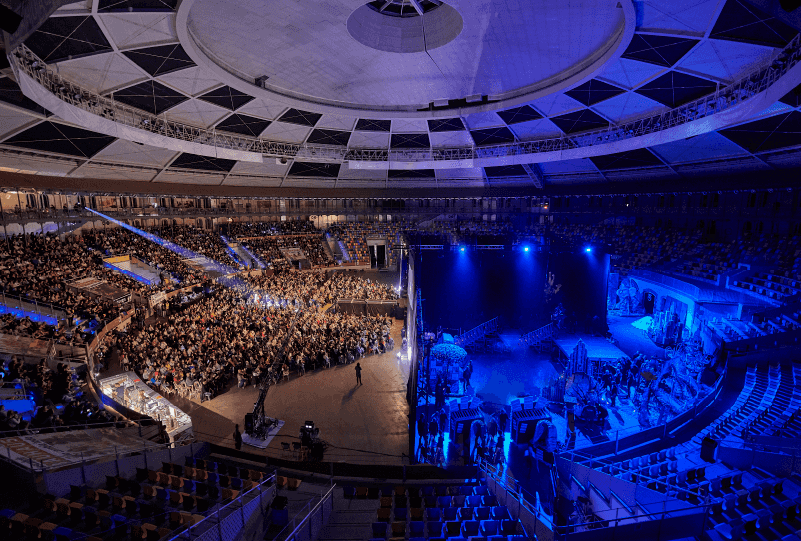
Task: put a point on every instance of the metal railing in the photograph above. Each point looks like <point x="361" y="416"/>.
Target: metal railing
<point x="724" y="98"/>
<point x="296" y="527"/>
<point x="231" y="517"/>
<point x="538" y="335"/>
<point x="476" y="333"/>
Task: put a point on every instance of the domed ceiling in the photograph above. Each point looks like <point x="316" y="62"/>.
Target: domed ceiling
<point x="679" y="51"/>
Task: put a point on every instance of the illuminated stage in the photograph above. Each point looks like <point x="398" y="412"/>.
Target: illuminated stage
<point x="598" y="349"/>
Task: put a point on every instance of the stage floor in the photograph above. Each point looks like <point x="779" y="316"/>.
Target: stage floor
<point x="598" y="348"/>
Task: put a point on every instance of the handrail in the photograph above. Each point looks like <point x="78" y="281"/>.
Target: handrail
<point x="308" y="515"/>
<point x="727" y="97"/>
<point x="543" y="332"/>
<point x="468" y="337"/>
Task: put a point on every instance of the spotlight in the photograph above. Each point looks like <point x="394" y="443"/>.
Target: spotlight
<point x="461" y="248"/>
<point x="588" y="249"/>
<point x="525" y="249"/>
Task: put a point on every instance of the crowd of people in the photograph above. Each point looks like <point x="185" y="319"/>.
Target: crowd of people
<point x="268" y="249"/>
<point x="264" y="229"/>
<point x="201" y="242"/>
<point x="266" y="328"/>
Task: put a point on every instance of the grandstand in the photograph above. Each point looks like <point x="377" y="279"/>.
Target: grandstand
<point x="557" y="244"/>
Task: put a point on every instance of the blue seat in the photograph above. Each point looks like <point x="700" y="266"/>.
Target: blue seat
<point x="489" y="501"/>
<point x="465" y="513"/>
<point x="236" y="483"/>
<point x="7" y="513"/>
<point x="458" y="501"/>
<point x="64" y="534"/>
<point x="431" y="501"/>
<point x="189" y="485"/>
<point x="496" y="538"/>
<point x="481" y="490"/>
<point x="470" y="528"/>
<point x="211" y="466"/>
<point x="428" y="491"/>
<point x="442" y="490"/>
<point x="387" y="490"/>
<point x="465" y="490"/>
<point x="508" y="527"/>
<point x="444" y="501"/>
<point x="380" y="530"/>
<point x="473" y="501"/>
<point x="453" y="528"/>
<point x="213" y="478"/>
<point x="434" y="528"/>
<point x="489" y="527"/>
<point x="481" y="513"/>
<point x="433" y="513"/>
<point x="162" y="494"/>
<point x="449" y="513"/>
<point x="416" y="528"/>
<point x="349" y="492"/>
<point x="401" y="513"/>
<point x="517" y="538"/>
<point x="500" y="513"/>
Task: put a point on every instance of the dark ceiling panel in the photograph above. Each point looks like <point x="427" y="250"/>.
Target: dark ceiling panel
<point x="641" y="157"/>
<point x="445" y="124"/>
<point x="62" y="139"/>
<point x="578" y="121"/>
<point x="10" y="93"/>
<point x="792" y="98"/>
<point x="740" y="21"/>
<point x="503" y="171"/>
<point x="410" y="140"/>
<point x="301" y="118"/>
<point x="60" y="38"/>
<point x="659" y="50"/>
<point x="367" y="124"/>
<point x="675" y="88"/>
<point x="493" y="136"/>
<point x="243" y="124"/>
<point x="329" y="137"/>
<point x="411" y="173"/>
<point x="160" y="60"/>
<point x="126" y="6"/>
<point x="150" y="96"/>
<point x="594" y="91"/>
<point x="519" y="114"/>
<point x="227" y="97"/>
<point x="202" y="163"/>
<point x="778" y="131"/>
<point x="309" y="169"/>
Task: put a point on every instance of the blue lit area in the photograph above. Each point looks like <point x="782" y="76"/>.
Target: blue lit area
<point x="231" y="251"/>
<point x="588" y="249"/>
<point x="20" y="313"/>
<point x="130" y="274"/>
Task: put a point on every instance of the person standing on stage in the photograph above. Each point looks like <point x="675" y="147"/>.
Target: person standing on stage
<point x="358" y="374"/>
<point x="237" y="438"/>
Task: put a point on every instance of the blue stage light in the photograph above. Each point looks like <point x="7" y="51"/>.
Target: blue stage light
<point x="588" y="249"/>
<point x="525" y="248"/>
<point x="461" y="249"/>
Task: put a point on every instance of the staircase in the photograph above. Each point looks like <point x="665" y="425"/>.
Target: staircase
<point x="540" y="338"/>
<point x="350" y="518"/>
<point x="138" y="271"/>
<point x="479" y="337"/>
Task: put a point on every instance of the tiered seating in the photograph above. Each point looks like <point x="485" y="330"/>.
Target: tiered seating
<point x="434" y="512"/>
<point x="150" y="506"/>
<point x="354" y="237"/>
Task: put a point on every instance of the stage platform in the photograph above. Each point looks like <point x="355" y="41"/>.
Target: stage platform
<point x="598" y="349"/>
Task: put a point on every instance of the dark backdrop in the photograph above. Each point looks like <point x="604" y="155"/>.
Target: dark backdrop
<point x="464" y="289"/>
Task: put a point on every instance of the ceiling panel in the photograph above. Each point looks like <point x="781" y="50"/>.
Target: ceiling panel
<point x="674" y="88"/>
<point x="329" y="137"/>
<point x="227" y="97"/>
<point x="299" y="117"/>
<point x="203" y="163"/>
<point x="628" y="106"/>
<point x="536" y="129"/>
<point x="778" y="131"/>
<point x="192" y="81"/>
<point x="126" y="6"/>
<point x="679" y="16"/>
<point x="593" y="91"/>
<point x="140" y="29"/>
<point x="269" y="168"/>
<point x="578" y="121"/>
<point x="312" y="169"/>
<point x="410" y="140"/>
<point x="102" y="72"/>
<point x="59" y="38"/>
<point x="11" y="94"/>
<point x="741" y="21"/>
<point x="627" y="73"/>
<point x="160" y="60"/>
<point x="727" y="60"/>
<point x="641" y="157"/>
<point x="123" y="151"/>
<point x="368" y="124"/>
<point x="409" y="125"/>
<point x="61" y="139"/>
<point x="659" y="50"/>
<point x="287" y="133"/>
<point x="366" y="139"/>
<point x="243" y="125"/>
<point x="702" y="147"/>
<point x="516" y="115"/>
<point x="197" y="113"/>
<point x="150" y="96"/>
<point x="452" y="138"/>
<point x="445" y="125"/>
<point x="493" y="136"/>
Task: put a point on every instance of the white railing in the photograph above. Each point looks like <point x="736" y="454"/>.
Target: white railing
<point x="724" y="98"/>
<point x="302" y="527"/>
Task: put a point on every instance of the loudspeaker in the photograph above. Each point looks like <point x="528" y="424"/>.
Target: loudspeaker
<point x="9" y="20"/>
<point x="248" y="423"/>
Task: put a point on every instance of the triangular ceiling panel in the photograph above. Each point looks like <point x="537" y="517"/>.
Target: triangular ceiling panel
<point x="10" y="93"/>
<point x="516" y="115"/>
<point x="59" y="38"/>
<point x="627" y="73"/>
<point x="627" y="106"/>
<point x="11" y="120"/>
<point x="451" y="138"/>
<point x="640" y="157"/>
<point x="445" y="125"/>
<point x="227" y="97"/>
<point x="691" y="16"/>
<point x="268" y="168"/>
<point x="536" y="129"/>
<point x="130" y="30"/>
<point x="162" y="59"/>
<point x="410" y="140"/>
<point x="126" y="6"/>
<point x="674" y="88"/>
<point x="61" y="139"/>
<point x="793" y="98"/>
<point x="150" y="96"/>
<point x="556" y="104"/>
<point x="128" y="152"/>
<point x="287" y="133"/>
<point x="249" y="126"/>
<point x="103" y="72"/>
<point x="659" y="50"/>
<point x="369" y="124"/>
<point x="368" y="139"/>
<point x="562" y="167"/>
<point x="593" y="91"/>
<point x="579" y="121"/>
<point x="409" y="125"/>
<point x="708" y="146"/>
<point x="328" y="137"/>
<point x="203" y="163"/>
<point x="310" y="169"/>
<point x="740" y="21"/>
<point x="197" y="112"/>
<point x="301" y="118"/>
<point x="778" y="131"/>
<point x="336" y="122"/>
<point x="263" y="108"/>
<point x="483" y="120"/>
<point x="493" y="136"/>
<point x="725" y="60"/>
<point x="502" y="171"/>
<point x="192" y="81"/>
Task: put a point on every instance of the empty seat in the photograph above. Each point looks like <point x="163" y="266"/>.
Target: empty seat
<point x="434" y="528"/>
<point x="470" y="528"/>
<point x="489" y="527"/>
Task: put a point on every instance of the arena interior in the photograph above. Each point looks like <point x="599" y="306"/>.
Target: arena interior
<point x="405" y="269"/>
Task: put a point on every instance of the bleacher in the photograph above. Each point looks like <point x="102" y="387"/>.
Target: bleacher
<point x="456" y="511"/>
<point x="151" y="504"/>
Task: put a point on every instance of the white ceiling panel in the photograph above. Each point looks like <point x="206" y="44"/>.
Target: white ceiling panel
<point x="629" y="74"/>
<point x="288" y="133"/>
<point x="133" y="153"/>
<point x="536" y="129"/>
<point x="627" y="106"/>
<point x="102" y="72"/>
<point x="451" y="138"/>
<point x="139" y="29"/>
<point x="197" y="113"/>
<point x="191" y="81"/>
<point x="369" y="139"/>
<point x="681" y="16"/>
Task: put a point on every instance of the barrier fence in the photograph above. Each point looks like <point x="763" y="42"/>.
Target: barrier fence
<point x="307" y="524"/>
